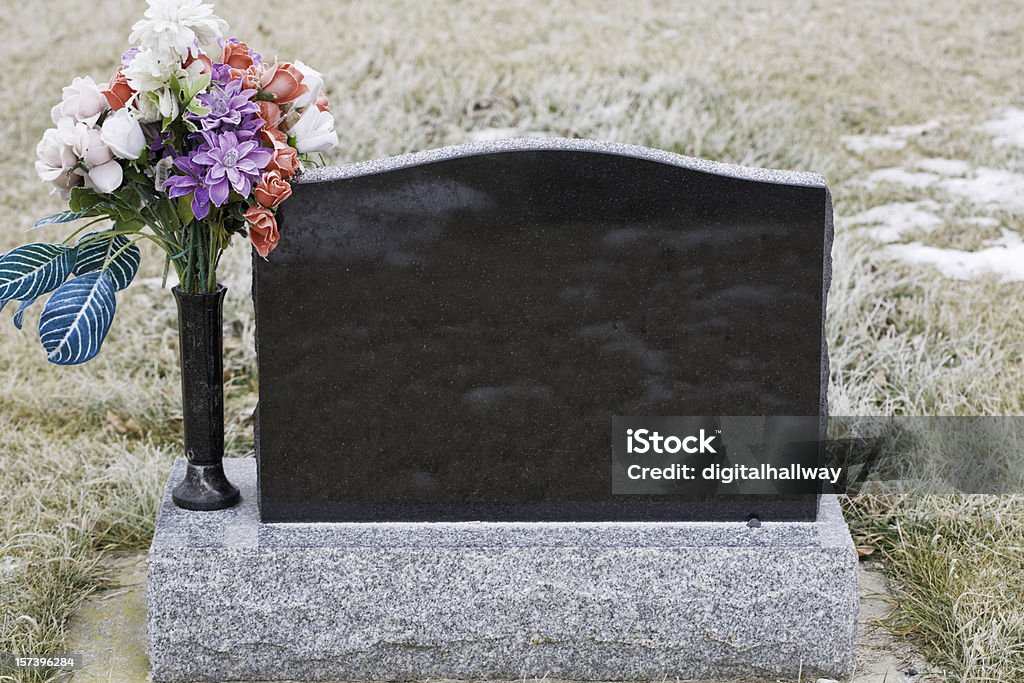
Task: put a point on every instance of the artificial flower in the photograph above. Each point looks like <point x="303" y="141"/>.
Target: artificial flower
<point x="314" y="131"/>
<point x="192" y="182"/>
<point x="122" y="133"/>
<point x="322" y="104"/>
<point x="283" y="81"/>
<point x="167" y="103"/>
<point x="173" y="28"/>
<point x="83" y="100"/>
<point x="145" y="106"/>
<point x="262" y="229"/>
<point x="198" y="64"/>
<point x="313" y="81"/>
<point x="118" y="93"/>
<point x="95" y="160"/>
<point x="285" y="161"/>
<point x="55" y="160"/>
<point x="229" y="106"/>
<point x="272" y="190"/>
<point x="234" y="162"/>
<point x="237" y="55"/>
<point x="270" y="112"/>
<point x="148" y="72"/>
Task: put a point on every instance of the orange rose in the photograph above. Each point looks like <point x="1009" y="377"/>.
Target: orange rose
<point x="284" y="82"/>
<point x="270" y="113"/>
<point x="273" y="136"/>
<point x="285" y="161"/>
<point x="236" y="55"/>
<point x="119" y="92"/>
<point x="272" y="190"/>
<point x="250" y="77"/>
<point x="321" y="102"/>
<point x="262" y="229"/>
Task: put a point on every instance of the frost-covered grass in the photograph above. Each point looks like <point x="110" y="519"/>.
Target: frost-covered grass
<point x="817" y="86"/>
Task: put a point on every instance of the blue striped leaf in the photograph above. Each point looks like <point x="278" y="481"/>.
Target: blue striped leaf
<point x="19" y="315"/>
<point x="92" y="256"/>
<point x="28" y="271"/>
<point x="77" y="317"/>
<point x="64" y="217"/>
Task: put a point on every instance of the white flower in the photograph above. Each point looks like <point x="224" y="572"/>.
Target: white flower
<point x="105" y="178"/>
<point x="145" y="106"/>
<point x="314" y="131"/>
<point x="148" y="72"/>
<point x="96" y="163"/>
<point x="313" y="80"/>
<point x="173" y="27"/>
<point x="122" y="133"/>
<point x="167" y="102"/>
<point x="82" y="100"/>
<point x="56" y="160"/>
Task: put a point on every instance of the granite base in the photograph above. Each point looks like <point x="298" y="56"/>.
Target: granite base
<point x="231" y="598"/>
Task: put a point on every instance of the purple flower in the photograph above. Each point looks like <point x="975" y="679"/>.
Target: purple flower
<point x="230" y="107"/>
<point x="128" y="56"/>
<point x="192" y="181"/>
<point x="233" y="161"/>
<point x="221" y="75"/>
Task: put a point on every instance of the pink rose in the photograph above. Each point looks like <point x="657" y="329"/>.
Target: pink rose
<point x="272" y="190"/>
<point x="237" y="56"/>
<point x="269" y="112"/>
<point x="285" y="161"/>
<point x="118" y="92"/>
<point x="262" y="229"/>
<point x="284" y="82"/>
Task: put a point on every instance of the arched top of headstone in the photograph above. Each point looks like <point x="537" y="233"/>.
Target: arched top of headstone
<point x="543" y="144"/>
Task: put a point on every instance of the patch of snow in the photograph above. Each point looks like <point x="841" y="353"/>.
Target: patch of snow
<point x="945" y="167"/>
<point x="1005" y="258"/>
<point x="860" y="144"/>
<point x="991" y="187"/>
<point x="982" y="221"/>
<point x="895" y="219"/>
<point x="901" y="176"/>
<point x="914" y="130"/>
<point x="1007" y="130"/>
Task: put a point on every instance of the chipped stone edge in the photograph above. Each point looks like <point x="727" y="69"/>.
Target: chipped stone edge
<point x="542" y="144"/>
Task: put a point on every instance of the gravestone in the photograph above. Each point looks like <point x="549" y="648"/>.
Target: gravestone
<point x="452" y="346"/>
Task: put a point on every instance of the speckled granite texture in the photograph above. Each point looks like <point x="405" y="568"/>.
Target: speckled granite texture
<point x="233" y="599"/>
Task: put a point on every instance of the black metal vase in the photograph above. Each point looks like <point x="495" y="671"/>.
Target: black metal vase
<point x="201" y="341"/>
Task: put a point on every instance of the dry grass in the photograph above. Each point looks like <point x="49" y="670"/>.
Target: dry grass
<point x="763" y="83"/>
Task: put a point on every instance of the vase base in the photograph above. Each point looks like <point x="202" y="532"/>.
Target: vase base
<point x="205" y="488"/>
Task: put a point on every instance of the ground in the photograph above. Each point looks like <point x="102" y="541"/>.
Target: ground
<point x="912" y="112"/>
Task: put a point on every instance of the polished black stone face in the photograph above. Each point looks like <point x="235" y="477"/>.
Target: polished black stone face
<point x="450" y="341"/>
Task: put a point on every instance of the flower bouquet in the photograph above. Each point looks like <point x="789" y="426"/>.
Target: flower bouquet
<point x="193" y="140"/>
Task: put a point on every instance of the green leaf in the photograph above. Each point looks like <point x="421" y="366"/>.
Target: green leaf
<point x="87" y="202"/>
<point x="185" y="209"/>
<point x="197" y="108"/>
<point x="197" y="85"/>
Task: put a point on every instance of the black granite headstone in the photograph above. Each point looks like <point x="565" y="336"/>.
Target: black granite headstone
<point x="447" y="336"/>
